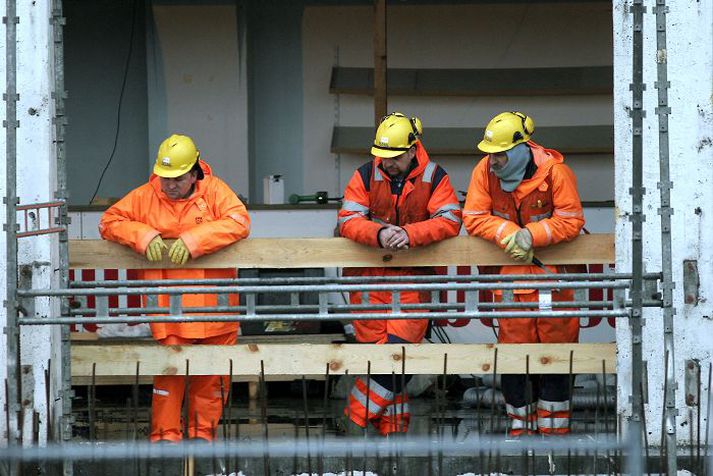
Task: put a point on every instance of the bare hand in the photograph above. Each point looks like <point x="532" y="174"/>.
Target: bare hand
<point x="398" y="240"/>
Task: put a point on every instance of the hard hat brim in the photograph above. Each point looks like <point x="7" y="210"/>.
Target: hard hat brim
<point x="170" y="173"/>
<point x="386" y="153"/>
<point x="490" y="148"/>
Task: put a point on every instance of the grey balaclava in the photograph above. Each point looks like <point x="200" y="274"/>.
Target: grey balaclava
<point x="512" y="174"/>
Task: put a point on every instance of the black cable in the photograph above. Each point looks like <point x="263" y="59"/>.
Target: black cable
<point x="121" y="99"/>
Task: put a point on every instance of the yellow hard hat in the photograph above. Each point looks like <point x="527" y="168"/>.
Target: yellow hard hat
<point x="395" y="135"/>
<point x="176" y="156"/>
<point x="505" y="131"/>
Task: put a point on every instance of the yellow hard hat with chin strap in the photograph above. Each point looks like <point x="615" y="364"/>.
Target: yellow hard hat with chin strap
<point x="505" y="131"/>
<point x="395" y="135"/>
<point x="176" y="156"/>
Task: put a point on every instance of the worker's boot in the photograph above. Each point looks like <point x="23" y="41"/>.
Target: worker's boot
<point x="203" y="462"/>
<point x="347" y="427"/>
<point x="165" y="466"/>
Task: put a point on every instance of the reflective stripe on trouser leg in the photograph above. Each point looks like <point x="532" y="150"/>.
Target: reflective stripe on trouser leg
<point x="166" y="406"/>
<point x="396" y="416"/>
<point x="553" y="417"/>
<point x="522" y="419"/>
<point x="375" y="399"/>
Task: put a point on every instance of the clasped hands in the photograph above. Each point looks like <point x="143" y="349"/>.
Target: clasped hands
<point x="178" y="253"/>
<point x="519" y="245"/>
<point x="393" y="238"/>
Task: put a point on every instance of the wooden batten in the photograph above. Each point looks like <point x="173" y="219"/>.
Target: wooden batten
<point x="338" y="252"/>
<point x="312" y="359"/>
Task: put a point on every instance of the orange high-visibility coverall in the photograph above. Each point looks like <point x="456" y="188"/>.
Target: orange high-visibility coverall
<point x="548" y="205"/>
<point x="210" y="219"/>
<point x="426" y="207"/>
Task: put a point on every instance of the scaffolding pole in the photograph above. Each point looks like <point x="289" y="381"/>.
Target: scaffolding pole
<point x="665" y="185"/>
<point x="12" y="330"/>
<point x="65" y="392"/>
<point x="637" y="218"/>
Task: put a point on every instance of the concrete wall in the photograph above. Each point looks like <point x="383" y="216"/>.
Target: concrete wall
<point x="689" y="28"/>
<point x="197" y="84"/>
<point x="35" y="182"/>
<point x="453" y="36"/>
<point x="276" y="95"/>
<point x="97" y="41"/>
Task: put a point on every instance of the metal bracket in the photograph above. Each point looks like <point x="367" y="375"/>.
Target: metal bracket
<point x="692" y="381"/>
<point x="691" y="282"/>
<point x="645" y="382"/>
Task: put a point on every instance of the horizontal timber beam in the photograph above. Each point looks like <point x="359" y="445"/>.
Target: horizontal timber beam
<point x="339" y="252"/>
<point x="295" y="360"/>
<point x="477" y="82"/>
<point x="460" y="141"/>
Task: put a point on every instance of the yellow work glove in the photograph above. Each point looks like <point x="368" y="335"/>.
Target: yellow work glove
<point x="523" y="239"/>
<point x="178" y="253"/>
<point x="509" y="242"/>
<point x="519" y="245"/>
<point x="154" y="251"/>
<point x="518" y="254"/>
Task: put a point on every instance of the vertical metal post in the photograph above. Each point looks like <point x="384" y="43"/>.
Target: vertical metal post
<point x="12" y="331"/>
<point x="60" y="121"/>
<point x="637" y="218"/>
<point x="665" y="185"/>
<point x="379" y="60"/>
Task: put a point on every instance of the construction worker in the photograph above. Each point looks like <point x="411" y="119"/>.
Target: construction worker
<point x="397" y="201"/>
<point x="185" y="202"/>
<point x="521" y="197"/>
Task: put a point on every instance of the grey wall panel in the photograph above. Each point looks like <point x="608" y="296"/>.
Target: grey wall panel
<point x="197" y="84"/>
<point x="96" y="45"/>
<point x="275" y="109"/>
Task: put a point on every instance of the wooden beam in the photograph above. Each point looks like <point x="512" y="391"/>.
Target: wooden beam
<point x="341" y="252"/>
<point x="308" y="359"/>
<point x="459" y="141"/>
<point x="577" y="80"/>
<point x="380" y="100"/>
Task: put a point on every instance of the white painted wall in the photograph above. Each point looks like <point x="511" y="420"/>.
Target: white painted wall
<point x="35" y="183"/>
<point x="690" y="71"/>
<point x="456" y="36"/>
<point x="197" y="85"/>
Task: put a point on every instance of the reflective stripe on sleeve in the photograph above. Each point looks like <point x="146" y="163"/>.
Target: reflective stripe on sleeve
<point x="566" y="214"/>
<point x="500" y="230"/>
<point x="351" y="206"/>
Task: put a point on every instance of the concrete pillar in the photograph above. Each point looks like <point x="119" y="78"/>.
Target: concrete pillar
<point x="37" y="256"/>
<point x="689" y="56"/>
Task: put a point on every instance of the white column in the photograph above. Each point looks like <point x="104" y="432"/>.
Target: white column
<point x="35" y="183"/>
<point x="689" y="55"/>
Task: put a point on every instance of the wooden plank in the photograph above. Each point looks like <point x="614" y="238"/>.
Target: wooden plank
<point x="462" y="140"/>
<point x="338" y="252"/>
<point x="584" y="80"/>
<point x="301" y="359"/>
